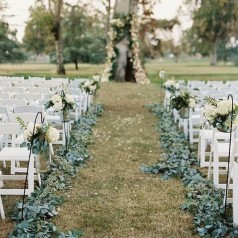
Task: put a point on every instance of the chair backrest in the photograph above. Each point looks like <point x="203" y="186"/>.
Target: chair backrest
<point x="14" y="89"/>
<point x="25" y="84"/>
<point x="4" y="114"/>
<point x="6" y="84"/>
<point x="5" y="95"/>
<point x="12" y="102"/>
<point x="27" y="96"/>
<point x="28" y="108"/>
<point x="41" y="90"/>
<point x="9" y="131"/>
<point x="26" y="117"/>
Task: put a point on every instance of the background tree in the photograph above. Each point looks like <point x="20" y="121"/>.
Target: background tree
<point x="213" y="21"/>
<point x="57" y="32"/>
<point x="38" y="38"/>
<point x="79" y="31"/>
<point x="10" y="48"/>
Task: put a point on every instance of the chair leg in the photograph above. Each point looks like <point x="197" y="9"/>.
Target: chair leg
<point x="2" y="213"/>
<point x="1" y="209"/>
<point x="39" y="179"/>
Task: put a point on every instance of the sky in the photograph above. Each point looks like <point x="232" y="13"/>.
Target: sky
<point x="19" y="11"/>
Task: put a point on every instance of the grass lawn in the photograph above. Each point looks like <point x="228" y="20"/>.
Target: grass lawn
<point x="181" y="70"/>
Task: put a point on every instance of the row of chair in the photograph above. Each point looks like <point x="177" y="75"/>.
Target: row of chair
<point x="213" y="146"/>
<point x="11" y="135"/>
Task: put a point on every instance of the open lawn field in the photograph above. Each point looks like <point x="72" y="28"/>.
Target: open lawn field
<point x="181" y="70"/>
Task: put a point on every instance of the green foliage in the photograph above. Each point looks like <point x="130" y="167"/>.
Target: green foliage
<point x="40" y="207"/>
<point x="10" y="49"/>
<point x="79" y="31"/>
<point x="181" y="100"/>
<point x="203" y="199"/>
<point x="38" y="37"/>
<point x="213" y="21"/>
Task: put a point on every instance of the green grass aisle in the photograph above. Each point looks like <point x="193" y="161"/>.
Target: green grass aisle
<point x="111" y="197"/>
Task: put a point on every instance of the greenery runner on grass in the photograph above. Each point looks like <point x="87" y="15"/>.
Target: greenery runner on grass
<point x="41" y="206"/>
<point x="203" y="199"/>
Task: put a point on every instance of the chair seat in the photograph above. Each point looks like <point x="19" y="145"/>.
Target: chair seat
<point x="15" y="153"/>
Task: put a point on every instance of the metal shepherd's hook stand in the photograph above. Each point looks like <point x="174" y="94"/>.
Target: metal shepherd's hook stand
<point x="27" y="171"/>
<point x="229" y="155"/>
<point x="64" y="124"/>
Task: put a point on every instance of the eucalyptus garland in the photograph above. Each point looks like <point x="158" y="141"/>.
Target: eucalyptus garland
<point x="203" y="199"/>
<point x="40" y="207"/>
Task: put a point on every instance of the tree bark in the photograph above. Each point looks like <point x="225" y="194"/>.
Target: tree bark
<point x="122" y="8"/>
<point x="58" y="37"/>
<point x="76" y="64"/>
<point x="213" y="54"/>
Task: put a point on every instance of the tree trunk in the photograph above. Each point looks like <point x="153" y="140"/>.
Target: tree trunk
<point x="76" y="64"/>
<point x="123" y="60"/>
<point x="108" y="8"/>
<point x="58" y="37"/>
<point x="213" y="54"/>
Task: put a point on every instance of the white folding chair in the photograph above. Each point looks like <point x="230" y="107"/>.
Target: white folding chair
<point x="28" y="108"/>
<point x="30" y="97"/>
<point x="235" y="193"/>
<point x="10" y="103"/>
<point x="5" y="95"/>
<point x="194" y="123"/>
<point x="218" y="163"/>
<point x="14" y="89"/>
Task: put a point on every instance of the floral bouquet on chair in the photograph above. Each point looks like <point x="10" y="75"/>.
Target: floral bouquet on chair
<point x="182" y="102"/>
<point x="63" y="102"/>
<point x="220" y="115"/>
<point x="92" y="85"/>
<point x="39" y="138"/>
<point x="171" y="85"/>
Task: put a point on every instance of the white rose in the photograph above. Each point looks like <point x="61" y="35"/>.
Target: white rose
<point x="52" y="135"/>
<point x="69" y="98"/>
<point x="176" y="85"/>
<point x="235" y="122"/>
<point x="162" y="74"/>
<point x="92" y="88"/>
<point x="224" y="107"/>
<point x="27" y="134"/>
<point x="210" y="112"/>
<point x="87" y="83"/>
<point x="96" y="78"/>
<point x="56" y="98"/>
<point x="192" y="103"/>
<point x="58" y="106"/>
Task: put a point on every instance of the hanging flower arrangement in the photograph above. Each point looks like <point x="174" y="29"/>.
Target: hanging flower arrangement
<point x="92" y="85"/>
<point x="219" y="113"/>
<point x="63" y="101"/>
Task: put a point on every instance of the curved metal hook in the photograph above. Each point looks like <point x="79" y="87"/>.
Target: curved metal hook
<point x="229" y="155"/>
<point x="27" y="171"/>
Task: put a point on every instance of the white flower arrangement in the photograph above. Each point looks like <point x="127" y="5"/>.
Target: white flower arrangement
<point x="162" y="74"/>
<point x="171" y="85"/>
<point x="63" y="101"/>
<point x="38" y="137"/>
<point x="219" y="113"/>
<point x="183" y="100"/>
<point x="92" y="85"/>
